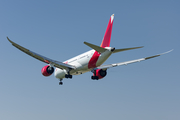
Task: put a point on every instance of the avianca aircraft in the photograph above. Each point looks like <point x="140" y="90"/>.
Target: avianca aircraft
<point x="88" y="61"/>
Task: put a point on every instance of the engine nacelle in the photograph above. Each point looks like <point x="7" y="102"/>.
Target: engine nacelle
<point x="47" y="70"/>
<point x="99" y="74"/>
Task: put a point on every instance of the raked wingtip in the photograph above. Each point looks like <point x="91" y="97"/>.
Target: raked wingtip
<point x="9" y="40"/>
<point x="167" y="52"/>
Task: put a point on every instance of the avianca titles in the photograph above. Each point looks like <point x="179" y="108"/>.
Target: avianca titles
<point x="88" y="61"/>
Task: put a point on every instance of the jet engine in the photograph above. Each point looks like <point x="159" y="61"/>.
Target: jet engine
<point x="98" y="74"/>
<point x="47" y="70"/>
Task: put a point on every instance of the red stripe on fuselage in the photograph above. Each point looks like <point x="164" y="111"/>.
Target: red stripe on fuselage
<point x="105" y="43"/>
<point x="93" y="60"/>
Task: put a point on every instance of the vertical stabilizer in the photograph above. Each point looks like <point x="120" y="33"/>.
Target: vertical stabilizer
<point x="107" y="36"/>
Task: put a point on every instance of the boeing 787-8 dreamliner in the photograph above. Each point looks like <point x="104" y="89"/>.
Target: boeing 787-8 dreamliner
<point x="88" y="61"/>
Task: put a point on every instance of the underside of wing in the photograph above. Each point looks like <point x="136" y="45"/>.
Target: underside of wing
<point x="104" y="67"/>
<point x="42" y="58"/>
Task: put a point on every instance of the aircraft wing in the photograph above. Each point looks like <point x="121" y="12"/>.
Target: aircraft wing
<point x="128" y="62"/>
<point x="42" y="58"/>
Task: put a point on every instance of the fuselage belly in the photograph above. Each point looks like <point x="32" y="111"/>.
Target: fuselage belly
<point x="82" y="63"/>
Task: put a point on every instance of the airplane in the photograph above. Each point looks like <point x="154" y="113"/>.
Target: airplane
<point x="88" y="61"/>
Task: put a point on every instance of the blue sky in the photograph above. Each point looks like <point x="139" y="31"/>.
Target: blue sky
<point x="57" y="29"/>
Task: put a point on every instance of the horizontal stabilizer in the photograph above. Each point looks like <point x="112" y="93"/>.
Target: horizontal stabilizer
<point x="95" y="47"/>
<point x="124" y="49"/>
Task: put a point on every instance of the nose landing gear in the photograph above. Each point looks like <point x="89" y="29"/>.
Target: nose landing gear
<point x="61" y="83"/>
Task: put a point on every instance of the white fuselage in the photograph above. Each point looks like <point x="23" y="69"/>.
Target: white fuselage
<point x="82" y="61"/>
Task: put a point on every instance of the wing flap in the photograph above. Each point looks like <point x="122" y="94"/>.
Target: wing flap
<point x="42" y="58"/>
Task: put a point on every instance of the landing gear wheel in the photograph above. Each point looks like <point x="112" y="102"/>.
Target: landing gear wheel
<point x="97" y="78"/>
<point x="60" y="83"/>
<point x="94" y="77"/>
<point x="68" y="76"/>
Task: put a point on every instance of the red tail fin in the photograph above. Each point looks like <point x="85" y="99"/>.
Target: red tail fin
<point x="107" y="36"/>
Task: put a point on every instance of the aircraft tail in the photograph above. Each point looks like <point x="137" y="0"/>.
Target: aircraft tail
<point x="107" y="36"/>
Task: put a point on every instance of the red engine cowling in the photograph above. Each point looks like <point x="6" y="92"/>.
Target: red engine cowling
<point x="99" y="74"/>
<point x="47" y="70"/>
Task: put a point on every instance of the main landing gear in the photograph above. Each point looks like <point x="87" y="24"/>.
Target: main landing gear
<point x="94" y="77"/>
<point x="66" y="76"/>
